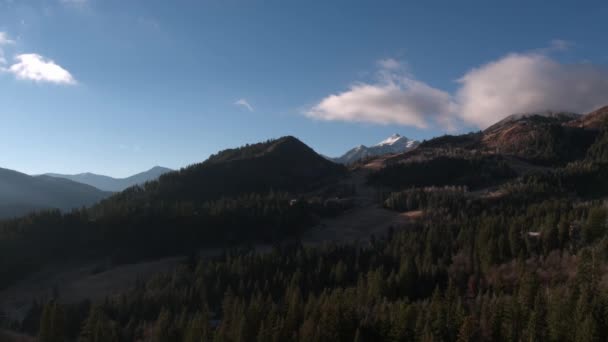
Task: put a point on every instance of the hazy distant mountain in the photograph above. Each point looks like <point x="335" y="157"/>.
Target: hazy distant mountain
<point x="107" y="183"/>
<point x="393" y="144"/>
<point x="21" y="193"/>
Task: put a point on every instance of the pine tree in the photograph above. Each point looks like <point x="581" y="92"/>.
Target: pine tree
<point x="98" y="327"/>
<point x="52" y="323"/>
<point x="162" y="327"/>
<point x="196" y="330"/>
<point x="587" y="331"/>
<point x="46" y="324"/>
<point x="467" y="330"/>
<point x="537" y="330"/>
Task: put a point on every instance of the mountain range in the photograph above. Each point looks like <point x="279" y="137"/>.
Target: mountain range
<point x="391" y="145"/>
<point x="538" y="165"/>
<point x="111" y="184"/>
<point x="21" y="193"/>
<point x="549" y="138"/>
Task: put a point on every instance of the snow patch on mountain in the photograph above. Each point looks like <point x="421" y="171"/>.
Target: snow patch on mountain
<point x="391" y="145"/>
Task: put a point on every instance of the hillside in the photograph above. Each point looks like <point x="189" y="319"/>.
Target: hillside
<point x="20" y="193"/>
<point x="112" y="184"/>
<point x="542" y="137"/>
<point x="549" y="138"/>
<point x="467" y="229"/>
<point x="284" y="164"/>
<point x="551" y="144"/>
<point x="236" y="196"/>
<point x="594" y="120"/>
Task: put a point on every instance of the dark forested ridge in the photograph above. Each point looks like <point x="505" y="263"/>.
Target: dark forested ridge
<point x="510" y="245"/>
<point x="237" y="196"/>
<point x="285" y="164"/>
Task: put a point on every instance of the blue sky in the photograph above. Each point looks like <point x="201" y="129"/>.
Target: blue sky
<point x="116" y="87"/>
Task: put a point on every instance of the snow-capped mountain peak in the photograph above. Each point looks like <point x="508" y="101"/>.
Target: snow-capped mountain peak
<point x="393" y="144"/>
<point x="391" y="140"/>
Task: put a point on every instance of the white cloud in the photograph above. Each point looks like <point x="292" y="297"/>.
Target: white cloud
<point x="516" y="83"/>
<point x="37" y="68"/>
<point x="245" y="104"/>
<point x="519" y="83"/>
<point x="407" y="102"/>
<point x="396" y="98"/>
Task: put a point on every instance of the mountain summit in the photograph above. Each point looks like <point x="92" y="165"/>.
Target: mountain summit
<point x="396" y="143"/>
<point x="284" y="164"/>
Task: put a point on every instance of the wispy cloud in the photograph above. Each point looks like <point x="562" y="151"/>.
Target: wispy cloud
<point x="148" y="23"/>
<point x="130" y="148"/>
<point x="389" y="64"/>
<point x="515" y="83"/>
<point x="36" y="68"/>
<point x="560" y="44"/>
<point x="77" y="3"/>
<point x="5" y="40"/>
<point x="245" y="104"/>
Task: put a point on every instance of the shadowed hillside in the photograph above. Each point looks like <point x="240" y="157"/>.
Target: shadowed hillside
<point x="106" y="183"/>
<point x="285" y="164"/>
<point x="239" y="195"/>
<point x="20" y="194"/>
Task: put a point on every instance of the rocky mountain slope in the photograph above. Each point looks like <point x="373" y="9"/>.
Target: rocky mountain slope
<point x="393" y="144"/>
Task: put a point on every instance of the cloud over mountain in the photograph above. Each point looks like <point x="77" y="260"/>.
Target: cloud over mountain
<point x="519" y="82"/>
<point x="396" y="98"/>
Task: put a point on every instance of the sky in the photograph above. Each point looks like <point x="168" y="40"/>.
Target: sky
<point x="118" y="86"/>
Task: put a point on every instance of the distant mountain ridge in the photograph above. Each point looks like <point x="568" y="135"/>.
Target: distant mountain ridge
<point x="393" y="144"/>
<point x="21" y="193"/>
<point x="107" y="183"/>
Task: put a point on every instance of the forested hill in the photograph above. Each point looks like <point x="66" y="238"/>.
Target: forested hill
<point x="284" y="164"/>
<point x="504" y="245"/>
<point x="549" y="138"/>
<point x="237" y="196"/>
